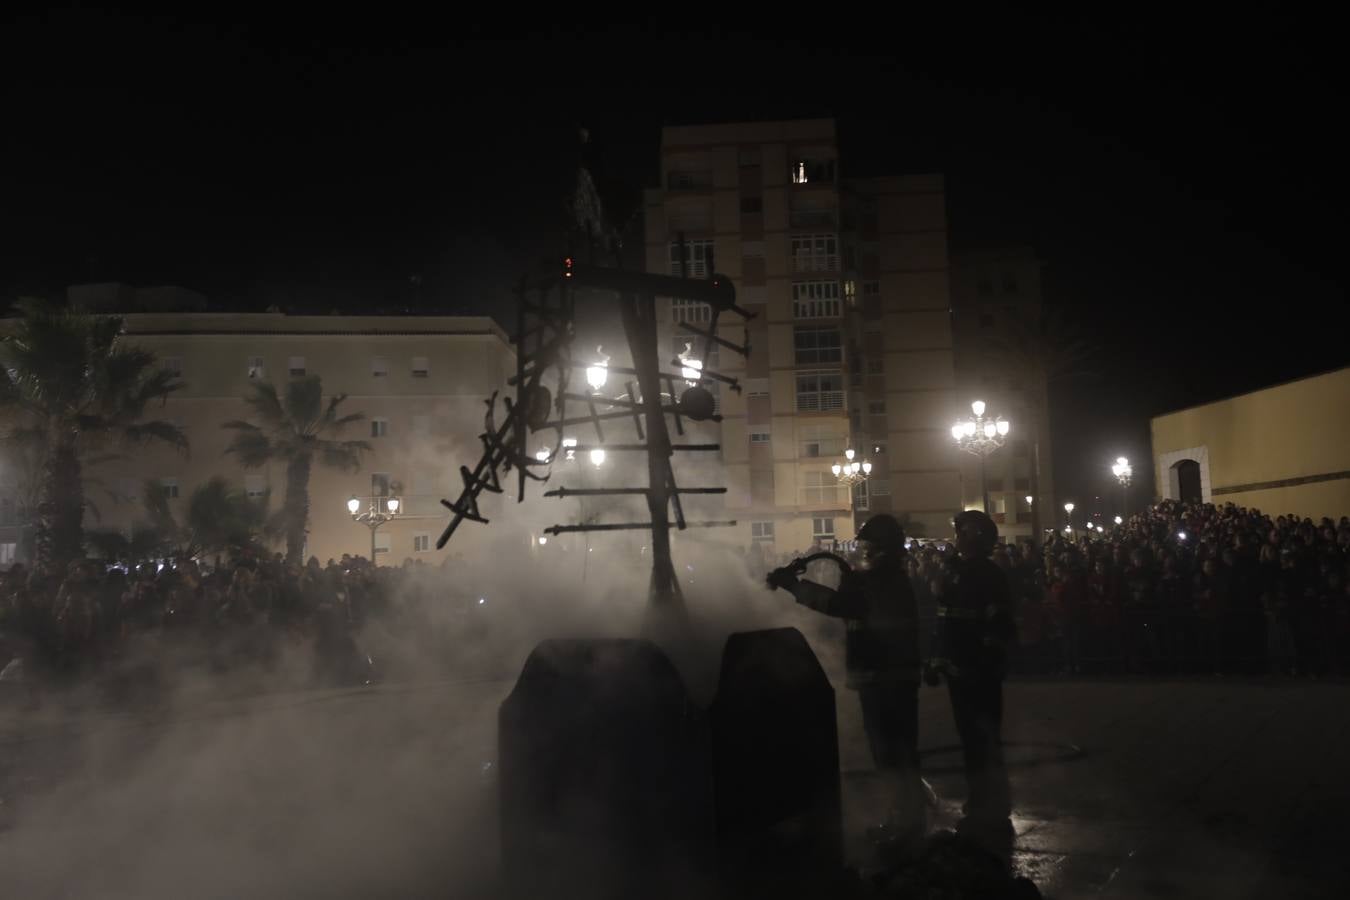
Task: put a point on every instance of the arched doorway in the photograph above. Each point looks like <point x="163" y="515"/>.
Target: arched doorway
<point x="1186" y="477"/>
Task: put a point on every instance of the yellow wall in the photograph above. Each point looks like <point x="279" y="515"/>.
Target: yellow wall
<point x="1292" y="431"/>
<point x="433" y="422"/>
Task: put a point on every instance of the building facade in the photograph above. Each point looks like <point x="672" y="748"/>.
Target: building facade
<point x="1285" y="449"/>
<point x="419" y="380"/>
<point x="992" y="292"/>
<point x="851" y="344"/>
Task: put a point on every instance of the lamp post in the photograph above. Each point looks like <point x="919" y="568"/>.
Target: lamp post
<point x="1068" y="514"/>
<point x="376" y="514"/>
<point x="1123" y="472"/>
<point x="981" y="436"/>
<point x="851" y="471"/>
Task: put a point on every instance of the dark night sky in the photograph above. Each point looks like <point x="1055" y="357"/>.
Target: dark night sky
<point x="1187" y="194"/>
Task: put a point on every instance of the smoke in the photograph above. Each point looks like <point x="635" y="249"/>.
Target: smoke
<point x="258" y="783"/>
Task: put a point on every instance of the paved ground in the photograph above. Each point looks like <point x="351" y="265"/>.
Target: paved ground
<point x="1123" y="789"/>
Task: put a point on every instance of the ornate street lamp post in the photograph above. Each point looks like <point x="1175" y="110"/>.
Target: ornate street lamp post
<point x="375" y="515"/>
<point x="1123" y="472"/>
<point x="981" y="436"/>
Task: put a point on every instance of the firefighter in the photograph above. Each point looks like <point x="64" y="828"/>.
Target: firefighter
<point x="882" y="656"/>
<point x="973" y="631"/>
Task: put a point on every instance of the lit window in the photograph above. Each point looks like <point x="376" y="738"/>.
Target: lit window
<point x="421" y="367"/>
<point x="379" y="367"/>
<point x="296" y="366"/>
<point x="379" y="428"/>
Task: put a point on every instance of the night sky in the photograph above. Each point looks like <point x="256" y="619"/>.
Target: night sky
<point x="1187" y="194"/>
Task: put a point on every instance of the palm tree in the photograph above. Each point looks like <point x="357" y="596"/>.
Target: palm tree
<point x="1041" y="349"/>
<point x="76" y="387"/>
<point x="295" y="432"/>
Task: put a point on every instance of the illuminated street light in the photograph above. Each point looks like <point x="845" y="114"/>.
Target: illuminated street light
<point x="1124" y="472"/>
<point x="542" y="540"/>
<point x="981" y="436"/>
<point x="1119" y="520"/>
<point x="851" y="471"/>
<point x="1030" y="499"/>
<point x="1068" y="513"/>
<point x="543" y="454"/>
<point x="375" y="516"/>
<point x="598" y="457"/>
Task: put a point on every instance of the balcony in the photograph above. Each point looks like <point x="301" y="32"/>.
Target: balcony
<point x="821" y="401"/>
<point x="813" y="218"/>
<point x="828" y="262"/>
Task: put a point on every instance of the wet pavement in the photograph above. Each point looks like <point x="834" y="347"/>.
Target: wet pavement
<point x="1149" y="789"/>
<point x="1123" y="789"/>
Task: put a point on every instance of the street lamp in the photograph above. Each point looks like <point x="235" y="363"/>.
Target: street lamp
<point x="1123" y="472"/>
<point x="851" y="471"/>
<point x="1068" y="512"/>
<point x="1119" y="520"/>
<point x="981" y="436"/>
<point x="376" y="514"/>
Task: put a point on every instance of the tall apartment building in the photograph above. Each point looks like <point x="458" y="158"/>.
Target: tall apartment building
<point x="851" y="344"/>
<point x="420" y="380"/>
<point x="991" y="289"/>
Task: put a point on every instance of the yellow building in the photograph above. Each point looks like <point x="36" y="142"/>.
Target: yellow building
<point x="420" y="381"/>
<point x="1284" y="449"/>
<point x="851" y="344"/>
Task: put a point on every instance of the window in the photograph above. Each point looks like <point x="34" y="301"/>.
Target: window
<point x="7" y="553"/>
<point x="296" y="366"/>
<point x="379" y="428"/>
<point x="174" y="364"/>
<point x="381" y="542"/>
<point x="379" y="367"/>
<point x="871" y="288"/>
<point x="170" y="487"/>
<point x="1000" y="504"/>
<point x="876" y="407"/>
<point x="860" y="496"/>
<point x="822" y="529"/>
<point x="821" y="489"/>
<point x="761" y="531"/>
<point x="759" y="437"/>
<point x="815" y="299"/>
<point x="815" y="253"/>
<point x="691" y="311"/>
<point x="685" y="180"/>
<point x="850" y="257"/>
<point x="817" y="346"/>
<point x="421" y="543"/>
<point x="851" y="292"/>
<point x="761" y="486"/>
<point x="379" y="484"/>
<point x="812" y="171"/>
<point x="752" y="204"/>
<point x="879" y="487"/>
<point x="752" y="249"/>
<point x="256" y="370"/>
<point x="876" y="365"/>
<point x="698" y="259"/>
<point x="820" y="440"/>
<point x="421" y="425"/>
<point x="421" y="367"/>
<point x="820" y="391"/>
<point x="254" y="486"/>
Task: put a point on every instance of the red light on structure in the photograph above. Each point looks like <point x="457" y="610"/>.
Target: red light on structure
<point x="567" y="267"/>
